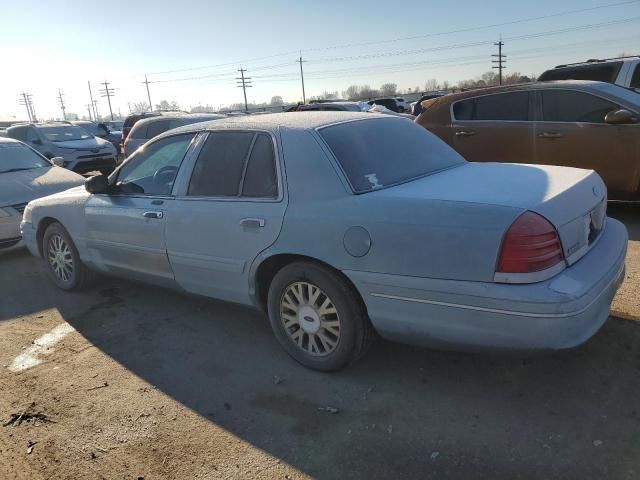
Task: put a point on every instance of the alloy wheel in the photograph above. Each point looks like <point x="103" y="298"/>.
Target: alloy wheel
<point x="60" y="258"/>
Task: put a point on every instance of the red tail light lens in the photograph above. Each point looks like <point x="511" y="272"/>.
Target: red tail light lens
<point x="530" y="245"/>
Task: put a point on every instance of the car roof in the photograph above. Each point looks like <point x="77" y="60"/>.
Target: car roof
<point x="553" y="84"/>
<point x="9" y="140"/>
<point x="291" y="120"/>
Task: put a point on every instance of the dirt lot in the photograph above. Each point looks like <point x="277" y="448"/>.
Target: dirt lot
<point x="153" y="384"/>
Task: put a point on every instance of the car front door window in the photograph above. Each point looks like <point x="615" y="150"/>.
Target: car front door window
<point x="153" y="170"/>
<point x="574" y="107"/>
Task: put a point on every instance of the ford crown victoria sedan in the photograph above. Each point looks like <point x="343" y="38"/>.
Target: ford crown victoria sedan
<point x="340" y="225"/>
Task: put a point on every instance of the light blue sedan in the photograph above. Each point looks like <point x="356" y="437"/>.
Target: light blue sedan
<point x="340" y="225"/>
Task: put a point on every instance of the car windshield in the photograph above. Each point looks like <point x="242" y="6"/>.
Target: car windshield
<point x="16" y="156"/>
<point x="64" y="133"/>
<point x="383" y="152"/>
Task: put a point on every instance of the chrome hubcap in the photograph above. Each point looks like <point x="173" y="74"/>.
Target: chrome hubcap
<point x="60" y="260"/>
<point x="310" y="318"/>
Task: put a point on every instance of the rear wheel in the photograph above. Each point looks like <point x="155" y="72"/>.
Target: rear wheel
<point x="318" y="317"/>
<point x="63" y="262"/>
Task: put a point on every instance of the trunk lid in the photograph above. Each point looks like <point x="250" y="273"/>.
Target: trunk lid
<point x="574" y="200"/>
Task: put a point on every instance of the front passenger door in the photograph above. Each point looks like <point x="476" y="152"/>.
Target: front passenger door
<point x="126" y="229"/>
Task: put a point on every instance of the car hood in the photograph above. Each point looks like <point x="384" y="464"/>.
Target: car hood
<point x="26" y="185"/>
<point x="86" y="144"/>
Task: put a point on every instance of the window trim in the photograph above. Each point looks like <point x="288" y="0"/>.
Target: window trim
<point x="116" y="173"/>
<point x="539" y="112"/>
<point x="182" y="194"/>
<point x="531" y="118"/>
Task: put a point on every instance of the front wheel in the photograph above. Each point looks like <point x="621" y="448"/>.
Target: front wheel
<point x="64" y="265"/>
<point x="318" y="317"/>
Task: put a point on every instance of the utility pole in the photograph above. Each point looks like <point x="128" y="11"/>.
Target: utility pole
<point x="146" y="82"/>
<point x="89" y="110"/>
<point x="244" y="82"/>
<point x="300" y="61"/>
<point x="108" y="92"/>
<point x="64" y="113"/>
<point x="25" y="100"/>
<point x="500" y="62"/>
<point x="93" y="102"/>
<point x="96" y="114"/>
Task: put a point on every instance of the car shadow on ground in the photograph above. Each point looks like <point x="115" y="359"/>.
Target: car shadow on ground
<point x="402" y="411"/>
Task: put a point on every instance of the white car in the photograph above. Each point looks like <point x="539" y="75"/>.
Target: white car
<point x="623" y="71"/>
<point x="24" y="176"/>
<point x="80" y="150"/>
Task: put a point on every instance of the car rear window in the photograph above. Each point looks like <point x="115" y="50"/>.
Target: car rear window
<point x="600" y="72"/>
<point x="382" y="152"/>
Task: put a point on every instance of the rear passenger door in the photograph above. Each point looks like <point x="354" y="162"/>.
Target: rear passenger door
<point x="229" y="208"/>
<point x="494" y="128"/>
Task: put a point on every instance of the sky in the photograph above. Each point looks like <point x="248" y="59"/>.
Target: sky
<point x="51" y="46"/>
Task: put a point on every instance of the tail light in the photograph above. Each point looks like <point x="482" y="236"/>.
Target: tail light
<point x="531" y="244"/>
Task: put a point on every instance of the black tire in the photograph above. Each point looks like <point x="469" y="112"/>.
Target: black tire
<point x="79" y="276"/>
<point x="356" y="333"/>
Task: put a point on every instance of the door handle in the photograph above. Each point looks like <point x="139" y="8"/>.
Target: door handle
<point x="550" y="135"/>
<point x="252" y="222"/>
<point x="465" y="134"/>
<point x="156" y="215"/>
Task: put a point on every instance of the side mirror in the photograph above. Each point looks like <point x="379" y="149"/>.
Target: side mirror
<point x="58" y="161"/>
<point x="621" y="117"/>
<point x="97" y="184"/>
<point x="36" y="141"/>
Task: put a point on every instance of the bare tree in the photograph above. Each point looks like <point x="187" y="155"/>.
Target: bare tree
<point x="140" y="107"/>
<point x="388" y="89"/>
<point x="165" y="105"/>
<point x="366" y="92"/>
<point x="276" y="101"/>
<point x="431" y="85"/>
<point x="352" y="92"/>
<point x="202" y="109"/>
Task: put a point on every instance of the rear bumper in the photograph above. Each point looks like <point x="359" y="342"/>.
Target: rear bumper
<point x="561" y="312"/>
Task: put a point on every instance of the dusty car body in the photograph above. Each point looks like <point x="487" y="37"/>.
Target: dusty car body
<point x="584" y="124"/>
<point x="24" y="176"/>
<point x="340" y="224"/>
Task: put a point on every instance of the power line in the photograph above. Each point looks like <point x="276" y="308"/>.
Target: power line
<point x="64" y="113"/>
<point x="473" y="44"/>
<point x="500" y="62"/>
<point x="414" y="37"/>
<point x="108" y="92"/>
<point x="472" y="29"/>
<point x="244" y="82"/>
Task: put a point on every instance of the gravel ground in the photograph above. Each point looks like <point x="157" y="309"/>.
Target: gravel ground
<point x="152" y="384"/>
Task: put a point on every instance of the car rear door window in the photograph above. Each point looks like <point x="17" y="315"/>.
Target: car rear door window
<point x="157" y="127"/>
<point x="574" y="107"/>
<point x="220" y="165"/>
<point x="635" y="79"/>
<point x="513" y="106"/>
<point x="260" y="178"/>
<point x="19" y="133"/>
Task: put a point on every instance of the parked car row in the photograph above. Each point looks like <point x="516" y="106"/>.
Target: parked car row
<point x="341" y="224"/>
